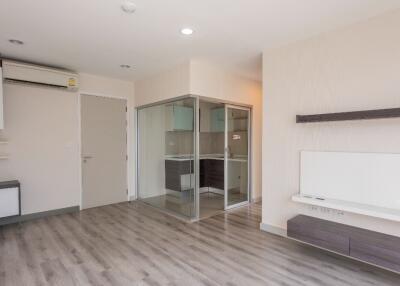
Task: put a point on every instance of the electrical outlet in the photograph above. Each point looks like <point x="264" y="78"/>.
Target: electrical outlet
<point x="325" y="210"/>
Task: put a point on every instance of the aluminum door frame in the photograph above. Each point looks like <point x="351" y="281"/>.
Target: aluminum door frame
<point x="226" y="149"/>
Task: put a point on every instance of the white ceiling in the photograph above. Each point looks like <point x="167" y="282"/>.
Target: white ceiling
<point x="95" y="36"/>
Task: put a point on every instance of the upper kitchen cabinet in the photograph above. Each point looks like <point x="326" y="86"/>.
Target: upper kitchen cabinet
<point x="238" y="120"/>
<point x="218" y="120"/>
<point x="212" y="117"/>
<point x="179" y="118"/>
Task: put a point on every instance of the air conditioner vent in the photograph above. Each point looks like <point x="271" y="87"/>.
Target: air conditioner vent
<point x="26" y="82"/>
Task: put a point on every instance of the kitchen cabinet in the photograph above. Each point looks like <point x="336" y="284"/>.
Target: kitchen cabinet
<point x="203" y="178"/>
<point x="176" y="172"/>
<point x="211" y="174"/>
<point x="214" y="173"/>
<point x="179" y="118"/>
<point x="218" y="120"/>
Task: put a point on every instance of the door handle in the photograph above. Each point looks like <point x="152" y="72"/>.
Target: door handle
<point x="86" y="158"/>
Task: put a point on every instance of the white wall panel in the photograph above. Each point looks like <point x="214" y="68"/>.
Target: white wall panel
<point x="365" y="178"/>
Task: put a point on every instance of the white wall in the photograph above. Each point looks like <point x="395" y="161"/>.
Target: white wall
<point x="168" y="84"/>
<point x="200" y="78"/>
<point x="42" y="127"/>
<point x="349" y="69"/>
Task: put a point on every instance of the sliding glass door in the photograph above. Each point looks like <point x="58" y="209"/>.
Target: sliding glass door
<point x="237" y="142"/>
<point x="166" y="156"/>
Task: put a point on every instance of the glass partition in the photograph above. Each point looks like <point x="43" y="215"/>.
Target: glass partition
<point x="236" y="156"/>
<point x="166" y="153"/>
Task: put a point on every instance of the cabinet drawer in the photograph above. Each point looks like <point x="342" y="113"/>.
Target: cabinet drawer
<point x="320" y="237"/>
<point x="381" y="252"/>
<point x="173" y="183"/>
<point x="217" y="183"/>
<point x="179" y="167"/>
<point x="373" y="247"/>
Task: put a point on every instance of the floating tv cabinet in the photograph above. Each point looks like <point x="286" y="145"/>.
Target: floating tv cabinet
<point x="372" y="247"/>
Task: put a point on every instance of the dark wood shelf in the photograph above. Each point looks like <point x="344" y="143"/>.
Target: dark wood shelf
<point x="352" y="115"/>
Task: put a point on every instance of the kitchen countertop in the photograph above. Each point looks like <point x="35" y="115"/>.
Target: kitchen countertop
<point x="238" y="158"/>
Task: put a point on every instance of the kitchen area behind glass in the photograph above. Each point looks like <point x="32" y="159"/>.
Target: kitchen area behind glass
<point x="179" y="159"/>
<point x="166" y="156"/>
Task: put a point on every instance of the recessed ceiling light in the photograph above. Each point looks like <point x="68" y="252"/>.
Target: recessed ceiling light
<point x="187" y="31"/>
<point x="125" y="66"/>
<point x="16" y="42"/>
<point x="128" y="6"/>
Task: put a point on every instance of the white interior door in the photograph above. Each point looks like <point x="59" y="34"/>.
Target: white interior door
<point x="104" y="151"/>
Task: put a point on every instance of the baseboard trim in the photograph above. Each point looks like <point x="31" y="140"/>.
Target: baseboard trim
<point x="273" y="229"/>
<point x="27" y="217"/>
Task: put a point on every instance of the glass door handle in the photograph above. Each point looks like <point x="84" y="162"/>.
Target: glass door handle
<point x="228" y="152"/>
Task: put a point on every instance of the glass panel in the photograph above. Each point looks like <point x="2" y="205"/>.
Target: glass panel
<point x="166" y="177"/>
<point x="237" y="156"/>
<point x="211" y="149"/>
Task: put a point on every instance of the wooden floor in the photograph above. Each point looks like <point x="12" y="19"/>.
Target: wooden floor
<point x="132" y="244"/>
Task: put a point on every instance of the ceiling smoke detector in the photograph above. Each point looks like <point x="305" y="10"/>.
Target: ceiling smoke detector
<point x="128" y="6"/>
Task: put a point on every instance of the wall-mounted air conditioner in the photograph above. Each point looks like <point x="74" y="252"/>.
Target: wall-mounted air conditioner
<point x="22" y="73"/>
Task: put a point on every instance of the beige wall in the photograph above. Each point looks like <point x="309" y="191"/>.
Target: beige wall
<point x="42" y="127"/>
<point x="200" y="78"/>
<point x="350" y="69"/>
<point x="168" y="84"/>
